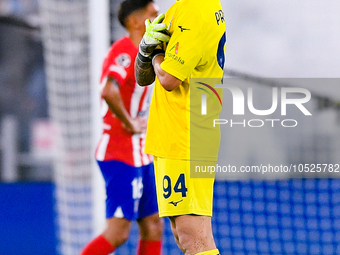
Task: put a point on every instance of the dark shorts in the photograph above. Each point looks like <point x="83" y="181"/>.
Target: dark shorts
<point x="130" y="191"/>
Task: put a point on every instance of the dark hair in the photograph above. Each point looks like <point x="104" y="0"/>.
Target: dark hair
<point x="129" y="6"/>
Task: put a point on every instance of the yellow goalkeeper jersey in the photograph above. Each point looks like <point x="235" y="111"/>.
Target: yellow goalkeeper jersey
<point x="195" y="52"/>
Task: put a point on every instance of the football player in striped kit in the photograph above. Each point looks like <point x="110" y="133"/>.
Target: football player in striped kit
<point x="127" y="170"/>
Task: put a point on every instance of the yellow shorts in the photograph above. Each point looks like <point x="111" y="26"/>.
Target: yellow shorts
<point x="177" y="193"/>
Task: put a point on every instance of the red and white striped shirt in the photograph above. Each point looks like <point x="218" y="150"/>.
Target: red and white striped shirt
<point x="116" y="142"/>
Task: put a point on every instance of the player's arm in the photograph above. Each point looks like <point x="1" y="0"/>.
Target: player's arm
<point x="155" y="34"/>
<point x="111" y="95"/>
<point x="168" y="81"/>
<point x="147" y="71"/>
<point x="144" y="72"/>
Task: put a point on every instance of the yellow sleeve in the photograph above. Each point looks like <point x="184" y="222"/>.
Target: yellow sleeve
<point x="184" y="50"/>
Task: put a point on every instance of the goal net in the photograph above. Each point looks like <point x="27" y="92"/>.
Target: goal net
<point x="66" y="43"/>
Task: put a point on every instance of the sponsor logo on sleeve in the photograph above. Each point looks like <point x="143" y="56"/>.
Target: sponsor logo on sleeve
<point x="173" y="53"/>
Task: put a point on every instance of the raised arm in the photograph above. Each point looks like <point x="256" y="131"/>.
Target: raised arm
<point x="155" y="34"/>
<point x="168" y="81"/>
<point x="144" y="72"/>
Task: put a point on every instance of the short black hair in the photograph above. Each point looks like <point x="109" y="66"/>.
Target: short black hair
<point x="129" y="6"/>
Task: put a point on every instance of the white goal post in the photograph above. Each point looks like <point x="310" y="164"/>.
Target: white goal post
<point x="99" y="24"/>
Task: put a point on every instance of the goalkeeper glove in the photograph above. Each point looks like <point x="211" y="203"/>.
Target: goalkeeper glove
<point x="155" y="34"/>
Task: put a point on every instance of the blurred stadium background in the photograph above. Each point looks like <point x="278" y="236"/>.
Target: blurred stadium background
<point x="51" y="193"/>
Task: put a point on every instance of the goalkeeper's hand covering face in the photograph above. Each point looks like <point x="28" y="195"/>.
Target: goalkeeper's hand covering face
<point x="155" y="34"/>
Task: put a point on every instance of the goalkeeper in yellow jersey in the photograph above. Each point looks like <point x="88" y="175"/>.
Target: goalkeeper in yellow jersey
<point x="195" y="50"/>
